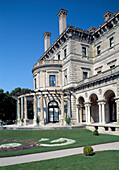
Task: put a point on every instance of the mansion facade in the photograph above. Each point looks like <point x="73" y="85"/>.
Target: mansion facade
<point x="77" y="76"/>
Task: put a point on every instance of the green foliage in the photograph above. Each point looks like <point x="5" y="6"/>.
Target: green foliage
<point x="7" y="106"/>
<point x="10" y="122"/>
<point x="22" y="120"/>
<point x="95" y="132"/>
<point x="37" y="120"/>
<point x="19" y="91"/>
<point x="88" y="151"/>
<point x="1" y="91"/>
<point x="67" y="119"/>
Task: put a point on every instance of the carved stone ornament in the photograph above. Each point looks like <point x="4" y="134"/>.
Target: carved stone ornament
<point x="100" y="91"/>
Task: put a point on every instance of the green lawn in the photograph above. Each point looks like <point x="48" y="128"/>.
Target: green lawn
<point x="106" y="160"/>
<point x="81" y="136"/>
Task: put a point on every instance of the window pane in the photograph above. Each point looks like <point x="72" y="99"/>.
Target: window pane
<point x="65" y="53"/>
<point x="85" y="74"/>
<point x="35" y="83"/>
<point x="112" y="42"/>
<point x="59" y="57"/>
<point x="52" y="80"/>
<point x="98" y="49"/>
<point x="84" y="51"/>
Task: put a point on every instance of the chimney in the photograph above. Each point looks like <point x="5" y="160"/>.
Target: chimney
<point x="62" y="20"/>
<point x="47" y="40"/>
<point x="107" y="15"/>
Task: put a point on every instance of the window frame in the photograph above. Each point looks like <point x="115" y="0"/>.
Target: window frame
<point x="65" y="53"/>
<point x="51" y="81"/>
<point x="35" y="83"/>
<point x="98" y="50"/>
<point x="65" y="77"/>
<point x="86" y="75"/>
<point x="83" y="51"/>
<point x="111" y="42"/>
<point x="58" y="56"/>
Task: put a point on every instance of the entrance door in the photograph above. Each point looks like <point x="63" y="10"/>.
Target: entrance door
<point x="53" y="112"/>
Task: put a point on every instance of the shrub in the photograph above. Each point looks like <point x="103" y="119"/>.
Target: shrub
<point x="67" y="119"/>
<point x="37" y="120"/>
<point x="9" y="122"/>
<point x="95" y="132"/>
<point x="88" y="151"/>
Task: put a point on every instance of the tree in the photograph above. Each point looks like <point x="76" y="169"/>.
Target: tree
<point x="18" y="91"/>
<point x="7" y="106"/>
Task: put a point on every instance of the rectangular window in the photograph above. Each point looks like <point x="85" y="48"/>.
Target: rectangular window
<point x="65" y="53"/>
<point x="112" y="42"/>
<point x="112" y="66"/>
<point x="85" y="75"/>
<point x="58" y="56"/>
<point x="98" y="50"/>
<point x="35" y="84"/>
<point x="84" y="51"/>
<point x="65" y="77"/>
<point x="52" y="80"/>
<point x="98" y="72"/>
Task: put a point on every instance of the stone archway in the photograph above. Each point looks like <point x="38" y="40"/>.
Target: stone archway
<point x="110" y="106"/>
<point x="53" y="112"/>
<point x="82" y="113"/>
<point x="94" y="108"/>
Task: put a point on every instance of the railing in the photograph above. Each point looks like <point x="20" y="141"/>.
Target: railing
<point x="99" y="76"/>
<point x="47" y="62"/>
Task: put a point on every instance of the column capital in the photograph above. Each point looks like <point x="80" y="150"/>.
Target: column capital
<point x="87" y="103"/>
<point x="116" y="99"/>
<point x="77" y="105"/>
<point x="103" y="101"/>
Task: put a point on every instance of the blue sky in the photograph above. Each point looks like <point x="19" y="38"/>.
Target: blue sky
<point x="22" y="25"/>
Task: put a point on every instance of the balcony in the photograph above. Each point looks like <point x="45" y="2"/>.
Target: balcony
<point x="98" y="77"/>
<point x="48" y="62"/>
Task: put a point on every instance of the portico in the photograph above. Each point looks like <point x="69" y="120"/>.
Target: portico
<point x="47" y="107"/>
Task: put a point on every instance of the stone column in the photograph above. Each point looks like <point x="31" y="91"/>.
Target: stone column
<point x="38" y="106"/>
<point x="25" y="110"/>
<point x="81" y="112"/>
<point x="18" y="111"/>
<point x="22" y="107"/>
<point x="117" y="110"/>
<point x="42" y="110"/>
<point x="62" y="109"/>
<point x="69" y="105"/>
<point x="78" y="112"/>
<point x="88" y="112"/>
<point x="103" y="112"/>
<point x="35" y="110"/>
<point x="100" y="112"/>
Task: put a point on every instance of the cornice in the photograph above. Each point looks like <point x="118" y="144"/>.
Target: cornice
<point x="47" y="65"/>
<point x="72" y="32"/>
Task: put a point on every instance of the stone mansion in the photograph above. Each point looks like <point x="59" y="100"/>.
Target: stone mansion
<point x="77" y="76"/>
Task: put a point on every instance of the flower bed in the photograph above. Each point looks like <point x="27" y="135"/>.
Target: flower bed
<point x="17" y="144"/>
<point x="7" y="146"/>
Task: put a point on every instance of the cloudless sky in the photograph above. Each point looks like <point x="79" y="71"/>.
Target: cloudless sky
<point x="22" y="25"/>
